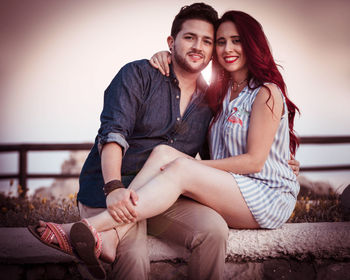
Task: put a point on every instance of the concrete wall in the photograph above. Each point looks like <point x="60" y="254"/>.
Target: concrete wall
<point x="295" y="251"/>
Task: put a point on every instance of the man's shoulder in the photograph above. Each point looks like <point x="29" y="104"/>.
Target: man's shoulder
<point x="139" y="65"/>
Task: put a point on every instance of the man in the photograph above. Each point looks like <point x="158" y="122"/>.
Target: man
<point x="143" y="109"/>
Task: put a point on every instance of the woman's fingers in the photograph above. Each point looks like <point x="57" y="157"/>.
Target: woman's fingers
<point x="161" y="61"/>
<point x="164" y="60"/>
<point x="155" y="63"/>
<point x="295" y="165"/>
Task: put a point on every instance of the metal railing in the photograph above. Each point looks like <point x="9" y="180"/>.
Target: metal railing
<point x="23" y="150"/>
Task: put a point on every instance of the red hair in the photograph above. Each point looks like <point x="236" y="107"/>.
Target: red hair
<point x="261" y="68"/>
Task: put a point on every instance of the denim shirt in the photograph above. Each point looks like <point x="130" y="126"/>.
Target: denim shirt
<point x="142" y="110"/>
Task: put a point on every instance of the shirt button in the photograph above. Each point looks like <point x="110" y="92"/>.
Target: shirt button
<point x="177" y="96"/>
<point x="178" y="119"/>
<point x="171" y="141"/>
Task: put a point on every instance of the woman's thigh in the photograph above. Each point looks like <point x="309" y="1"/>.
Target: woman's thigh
<point x="214" y="188"/>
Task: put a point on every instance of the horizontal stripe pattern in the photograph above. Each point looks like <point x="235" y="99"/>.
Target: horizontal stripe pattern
<point x="270" y="194"/>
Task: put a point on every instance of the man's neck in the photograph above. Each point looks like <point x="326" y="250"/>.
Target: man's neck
<point x="187" y="80"/>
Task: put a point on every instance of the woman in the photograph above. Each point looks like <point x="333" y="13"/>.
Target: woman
<point x="251" y="137"/>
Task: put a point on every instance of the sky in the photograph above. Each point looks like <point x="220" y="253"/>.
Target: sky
<point x="57" y="57"/>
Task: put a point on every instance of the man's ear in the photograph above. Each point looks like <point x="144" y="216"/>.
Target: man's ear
<point x="171" y="42"/>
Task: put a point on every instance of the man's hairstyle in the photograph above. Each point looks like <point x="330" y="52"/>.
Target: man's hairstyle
<point x="195" y="11"/>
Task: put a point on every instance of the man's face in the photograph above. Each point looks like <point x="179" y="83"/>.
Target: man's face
<point x="193" y="46"/>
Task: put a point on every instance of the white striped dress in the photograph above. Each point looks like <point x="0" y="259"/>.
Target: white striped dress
<point x="270" y="194"/>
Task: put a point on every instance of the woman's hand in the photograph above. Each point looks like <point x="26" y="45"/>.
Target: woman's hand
<point x="294" y="164"/>
<point x="121" y="205"/>
<point x="161" y="61"/>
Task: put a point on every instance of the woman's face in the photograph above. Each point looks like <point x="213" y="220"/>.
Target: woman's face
<point x="229" y="49"/>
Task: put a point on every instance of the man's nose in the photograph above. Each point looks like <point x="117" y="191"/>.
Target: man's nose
<point x="198" y="45"/>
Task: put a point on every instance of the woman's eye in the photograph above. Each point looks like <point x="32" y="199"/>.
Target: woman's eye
<point x="220" y="43"/>
<point x="236" y="41"/>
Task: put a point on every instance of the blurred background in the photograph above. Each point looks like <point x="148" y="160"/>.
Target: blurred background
<point x="57" y="57"/>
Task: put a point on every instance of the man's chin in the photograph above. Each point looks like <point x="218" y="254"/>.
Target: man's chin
<point x="195" y="69"/>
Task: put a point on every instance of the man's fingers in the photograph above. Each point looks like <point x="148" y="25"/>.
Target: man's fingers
<point x="123" y="215"/>
<point x="115" y="216"/>
<point x="134" y="197"/>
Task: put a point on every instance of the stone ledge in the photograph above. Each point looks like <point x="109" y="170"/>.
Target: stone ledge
<point x="302" y="241"/>
<point x="295" y="251"/>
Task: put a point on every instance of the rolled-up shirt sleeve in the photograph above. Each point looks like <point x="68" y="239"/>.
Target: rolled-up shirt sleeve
<point x="122" y="99"/>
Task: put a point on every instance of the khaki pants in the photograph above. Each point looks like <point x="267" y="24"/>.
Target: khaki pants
<point x="187" y="223"/>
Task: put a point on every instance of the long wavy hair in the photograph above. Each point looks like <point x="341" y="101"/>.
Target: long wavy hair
<point x="261" y="68"/>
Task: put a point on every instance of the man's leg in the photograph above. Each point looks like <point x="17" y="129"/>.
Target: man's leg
<point x="200" y="229"/>
<point x="132" y="259"/>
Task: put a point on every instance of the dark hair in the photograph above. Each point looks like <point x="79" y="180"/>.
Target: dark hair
<point x="195" y="11"/>
<point x="261" y="67"/>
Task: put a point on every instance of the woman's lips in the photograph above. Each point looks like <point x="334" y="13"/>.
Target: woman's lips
<point x="230" y="59"/>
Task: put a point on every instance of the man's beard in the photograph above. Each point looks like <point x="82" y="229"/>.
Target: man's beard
<point x="181" y="61"/>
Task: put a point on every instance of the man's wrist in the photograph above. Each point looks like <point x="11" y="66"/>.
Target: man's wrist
<point x="111" y="186"/>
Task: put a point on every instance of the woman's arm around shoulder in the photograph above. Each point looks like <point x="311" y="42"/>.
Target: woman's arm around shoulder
<point x="161" y="61"/>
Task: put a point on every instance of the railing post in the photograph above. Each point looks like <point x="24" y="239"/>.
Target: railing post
<point x="23" y="171"/>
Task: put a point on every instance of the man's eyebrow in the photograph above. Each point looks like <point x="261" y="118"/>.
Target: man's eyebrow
<point x="208" y="37"/>
<point x="196" y="35"/>
<point x="190" y="33"/>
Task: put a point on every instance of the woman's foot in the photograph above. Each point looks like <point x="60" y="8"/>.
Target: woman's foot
<point x="109" y="244"/>
<point x="110" y="241"/>
<point x="53" y="235"/>
<point x="87" y="243"/>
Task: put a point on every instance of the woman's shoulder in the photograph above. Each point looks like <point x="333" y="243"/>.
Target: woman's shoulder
<point x="271" y="89"/>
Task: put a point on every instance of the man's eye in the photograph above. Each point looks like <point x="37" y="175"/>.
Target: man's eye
<point x="208" y="42"/>
<point x="188" y="37"/>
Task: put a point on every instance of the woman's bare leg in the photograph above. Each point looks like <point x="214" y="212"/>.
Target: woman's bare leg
<point x="212" y="187"/>
<point x="160" y="156"/>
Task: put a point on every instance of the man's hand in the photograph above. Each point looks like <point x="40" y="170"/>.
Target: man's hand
<point x="294" y="164"/>
<point x="121" y="205"/>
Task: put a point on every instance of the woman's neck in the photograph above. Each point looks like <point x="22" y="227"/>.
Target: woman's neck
<point x="239" y="76"/>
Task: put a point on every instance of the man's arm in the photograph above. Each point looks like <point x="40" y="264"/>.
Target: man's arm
<point x="120" y="202"/>
<point x="111" y="162"/>
<point x="121" y="103"/>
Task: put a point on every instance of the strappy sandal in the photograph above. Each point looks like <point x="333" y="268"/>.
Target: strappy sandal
<point x="87" y="243"/>
<point x="53" y="230"/>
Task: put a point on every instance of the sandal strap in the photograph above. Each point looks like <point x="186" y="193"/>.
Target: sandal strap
<point x="98" y="246"/>
<point x="47" y="235"/>
<point x="62" y="239"/>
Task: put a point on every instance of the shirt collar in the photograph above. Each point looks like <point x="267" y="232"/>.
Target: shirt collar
<point x="201" y="83"/>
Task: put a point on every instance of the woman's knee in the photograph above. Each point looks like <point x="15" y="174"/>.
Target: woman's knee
<point x="164" y="153"/>
<point x="181" y="164"/>
<point x="163" y="149"/>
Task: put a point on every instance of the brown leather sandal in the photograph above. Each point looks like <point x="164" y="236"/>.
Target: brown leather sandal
<point x="87" y="244"/>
